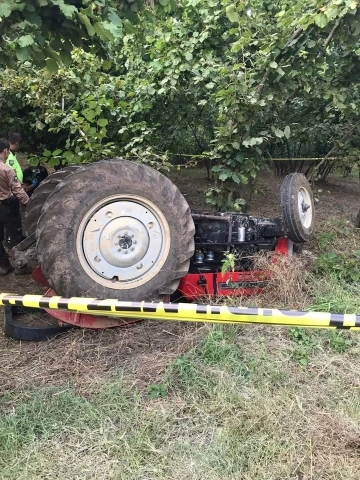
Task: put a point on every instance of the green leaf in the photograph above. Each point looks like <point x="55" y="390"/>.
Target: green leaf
<point x="52" y="65"/>
<point x="56" y="152"/>
<point x="232" y="14"/>
<point x="115" y="19"/>
<point x="321" y="20"/>
<point x="107" y="64"/>
<point x="223" y="176"/>
<point x="85" y="20"/>
<point x="90" y="115"/>
<point x="22" y="54"/>
<point x="237" y="46"/>
<point x="66" y="9"/>
<point x="311" y="43"/>
<point x="102" y="122"/>
<point x="273" y="65"/>
<point x="129" y="27"/>
<point x="279" y="133"/>
<point x="236" y="178"/>
<point x="66" y="58"/>
<point x="287" y="131"/>
<point x="188" y="56"/>
<point x="53" y="162"/>
<point x="164" y="3"/>
<point x="25" y="40"/>
<point x="47" y="153"/>
<point x="6" y="8"/>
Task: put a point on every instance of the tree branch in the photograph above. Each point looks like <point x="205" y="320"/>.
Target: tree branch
<point x="331" y="34"/>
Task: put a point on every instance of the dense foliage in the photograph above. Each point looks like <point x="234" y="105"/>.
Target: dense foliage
<point x="233" y="83"/>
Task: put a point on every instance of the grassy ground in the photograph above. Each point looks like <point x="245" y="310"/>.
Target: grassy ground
<point x="191" y="402"/>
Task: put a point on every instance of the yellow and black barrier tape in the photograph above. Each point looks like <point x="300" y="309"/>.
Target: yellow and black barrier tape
<point x="187" y="312"/>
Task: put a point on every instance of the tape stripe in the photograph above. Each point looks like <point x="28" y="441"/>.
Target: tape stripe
<point x="171" y="308"/>
<point x="337" y="320"/>
<point x="96" y="305"/>
<point x="127" y="308"/>
<point x="201" y="308"/>
<point x="44" y="302"/>
<point x="215" y="310"/>
<point x="243" y="311"/>
<point x="63" y="303"/>
<point x="148" y="308"/>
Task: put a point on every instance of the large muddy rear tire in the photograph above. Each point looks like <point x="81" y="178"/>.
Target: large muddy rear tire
<point x="115" y="229"/>
<point x="41" y="194"/>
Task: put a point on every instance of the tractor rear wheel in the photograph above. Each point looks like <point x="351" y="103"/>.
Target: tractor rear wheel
<point x="115" y="229"/>
<point x="37" y="200"/>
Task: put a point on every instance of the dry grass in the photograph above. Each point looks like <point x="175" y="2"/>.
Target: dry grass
<point x="83" y="356"/>
<point x="291" y="282"/>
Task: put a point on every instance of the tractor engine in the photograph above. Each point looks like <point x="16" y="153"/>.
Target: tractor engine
<point x="239" y="234"/>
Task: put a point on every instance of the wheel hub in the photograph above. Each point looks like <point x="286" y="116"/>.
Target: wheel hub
<point x="125" y="242"/>
<point x="123" y="239"/>
<point x="304" y="207"/>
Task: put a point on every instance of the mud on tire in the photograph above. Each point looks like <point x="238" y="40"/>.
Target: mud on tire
<point x="41" y="194"/>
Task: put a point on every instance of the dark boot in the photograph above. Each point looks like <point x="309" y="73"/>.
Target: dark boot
<point x="5" y="270"/>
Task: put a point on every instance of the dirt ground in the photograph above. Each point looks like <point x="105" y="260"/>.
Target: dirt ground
<point x="80" y="355"/>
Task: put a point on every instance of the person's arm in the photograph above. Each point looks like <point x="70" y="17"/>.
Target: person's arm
<point x="15" y="187"/>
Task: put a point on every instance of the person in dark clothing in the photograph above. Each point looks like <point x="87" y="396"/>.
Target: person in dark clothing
<point x="10" y="192"/>
<point x="33" y="176"/>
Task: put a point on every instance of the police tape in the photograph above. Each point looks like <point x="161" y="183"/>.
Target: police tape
<point x="187" y="312"/>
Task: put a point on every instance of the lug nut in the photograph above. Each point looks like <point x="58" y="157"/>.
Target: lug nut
<point x="132" y="249"/>
<point x="139" y="267"/>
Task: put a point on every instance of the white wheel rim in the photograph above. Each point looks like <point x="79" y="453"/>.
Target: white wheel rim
<point x="305" y="207"/>
<point x="123" y="241"/>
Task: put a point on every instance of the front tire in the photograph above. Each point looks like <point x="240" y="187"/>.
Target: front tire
<point x="297" y="205"/>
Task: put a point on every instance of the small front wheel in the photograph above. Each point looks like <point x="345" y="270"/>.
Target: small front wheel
<point x="297" y="206"/>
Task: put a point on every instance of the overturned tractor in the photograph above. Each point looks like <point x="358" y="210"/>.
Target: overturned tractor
<point x="119" y="229"/>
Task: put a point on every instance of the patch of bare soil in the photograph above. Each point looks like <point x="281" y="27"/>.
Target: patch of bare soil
<point x="338" y="197"/>
<point x="81" y="356"/>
